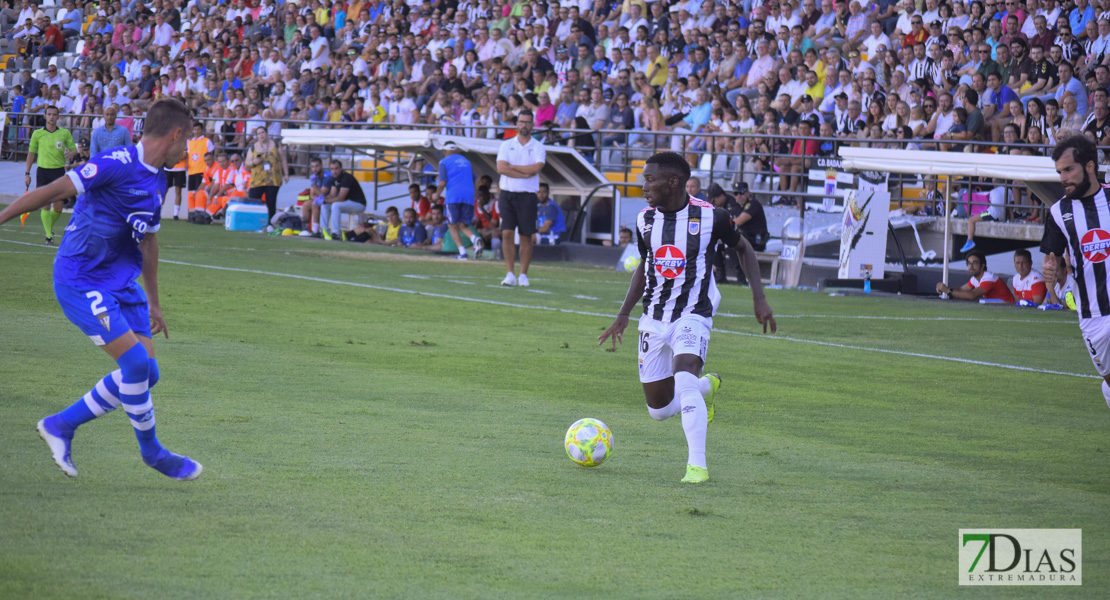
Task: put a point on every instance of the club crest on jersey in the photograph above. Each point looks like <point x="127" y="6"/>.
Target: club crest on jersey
<point x="669" y="261"/>
<point x="88" y="171"/>
<point x="695" y="226"/>
<point x="105" y="321"/>
<point x="1095" y="245"/>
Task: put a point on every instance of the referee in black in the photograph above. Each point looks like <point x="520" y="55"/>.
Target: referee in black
<point x="519" y="162"/>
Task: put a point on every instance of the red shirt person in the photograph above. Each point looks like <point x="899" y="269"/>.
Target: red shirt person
<point x="1028" y="284"/>
<point x="983" y="283"/>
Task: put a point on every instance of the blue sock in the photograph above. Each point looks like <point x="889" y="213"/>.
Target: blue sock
<point x="101" y="400"/>
<point x="135" y="394"/>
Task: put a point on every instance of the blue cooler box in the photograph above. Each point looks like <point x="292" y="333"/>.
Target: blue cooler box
<point x="245" y="217"/>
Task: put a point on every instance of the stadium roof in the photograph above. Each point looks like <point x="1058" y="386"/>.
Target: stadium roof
<point x="565" y="170"/>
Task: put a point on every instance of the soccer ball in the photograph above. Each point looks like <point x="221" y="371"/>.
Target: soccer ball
<point x="589" y="442"/>
<point x="631" y="263"/>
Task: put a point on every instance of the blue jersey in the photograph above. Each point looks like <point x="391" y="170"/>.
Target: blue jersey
<point x="550" y="212"/>
<point x="436" y="234"/>
<point x="412" y="234"/>
<point x="120" y="201"/>
<point x="456" y="171"/>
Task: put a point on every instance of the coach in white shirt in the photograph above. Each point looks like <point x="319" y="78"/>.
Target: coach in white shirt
<point x="519" y="162"/>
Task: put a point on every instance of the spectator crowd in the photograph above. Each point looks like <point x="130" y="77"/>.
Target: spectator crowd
<point x="928" y="74"/>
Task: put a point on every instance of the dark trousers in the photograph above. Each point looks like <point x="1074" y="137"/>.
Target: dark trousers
<point x="269" y="193"/>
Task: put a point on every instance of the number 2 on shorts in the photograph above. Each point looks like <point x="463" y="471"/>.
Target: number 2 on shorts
<point x="95" y="306"/>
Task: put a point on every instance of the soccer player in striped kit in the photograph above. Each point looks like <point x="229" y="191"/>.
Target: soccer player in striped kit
<point x="1079" y="224"/>
<point x="678" y="236"/>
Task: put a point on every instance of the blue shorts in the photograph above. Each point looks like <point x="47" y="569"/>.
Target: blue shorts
<point x="459" y="212"/>
<point x="102" y="315"/>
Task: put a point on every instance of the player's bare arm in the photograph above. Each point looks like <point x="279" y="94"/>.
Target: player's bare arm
<point x="635" y="293"/>
<point x="1048" y="271"/>
<point x="56" y="191"/>
<point x="750" y="264"/>
<point x="149" y="248"/>
<point x="964" y="292"/>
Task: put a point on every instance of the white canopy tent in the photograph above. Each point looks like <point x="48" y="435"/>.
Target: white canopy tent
<point x="1037" y="172"/>
<point x="565" y="170"/>
<point x="964" y="164"/>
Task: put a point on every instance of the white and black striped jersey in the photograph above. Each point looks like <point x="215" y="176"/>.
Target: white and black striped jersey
<point x="678" y="250"/>
<point x="1082" y="227"/>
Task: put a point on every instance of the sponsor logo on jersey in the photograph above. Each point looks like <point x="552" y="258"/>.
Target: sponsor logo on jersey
<point x="88" y="171"/>
<point x="139" y="222"/>
<point x="669" y="261"/>
<point x="1095" y="245"/>
<point x="695" y="226"/>
<point x="105" y="321"/>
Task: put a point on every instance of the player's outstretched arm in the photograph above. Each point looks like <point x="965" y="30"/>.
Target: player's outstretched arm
<point x="635" y="292"/>
<point x="750" y="264"/>
<point x="149" y="248"/>
<point x="60" y="189"/>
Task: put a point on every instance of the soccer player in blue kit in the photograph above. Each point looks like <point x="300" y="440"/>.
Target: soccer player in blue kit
<point x="110" y="241"/>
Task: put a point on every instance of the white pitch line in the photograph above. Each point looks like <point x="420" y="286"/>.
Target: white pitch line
<point x="882" y="318"/>
<point x="29" y="244"/>
<point x="461" y="281"/>
<point x="609" y="316"/>
<point x="720" y="314"/>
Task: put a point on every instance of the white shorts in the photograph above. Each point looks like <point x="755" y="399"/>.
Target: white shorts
<point x="1096" y="338"/>
<point x="657" y="350"/>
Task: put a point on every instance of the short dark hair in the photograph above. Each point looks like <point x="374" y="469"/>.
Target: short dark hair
<point x="391" y="209"/>
<point x="544" y="185"/>
<point x="1023" y="253"/>
<point x="972" y="97"/>
<point x="526" y="112"/>
<point x="164" y="115"/>
<point x="415" y="185"/>
<point x="673" y="161"/>
<point x="977" y="254"/>
<point x="1083" y="150"/>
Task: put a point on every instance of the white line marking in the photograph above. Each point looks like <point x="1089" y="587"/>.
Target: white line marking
<point x="720" y="314"/>
<point x="29" y="244"/>
<point x="882" y="318"/>
<point x="461" y="281"/>
<point x="537" y="292"/>
<point x="18" y="252"/>
<point x="609" y="316"/>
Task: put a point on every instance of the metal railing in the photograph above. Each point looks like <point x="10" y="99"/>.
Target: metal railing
<point x="760" y="160"/>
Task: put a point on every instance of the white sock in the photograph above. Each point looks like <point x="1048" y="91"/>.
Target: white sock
<point x="315" y="228"/>
<point x="1106" y="392"/>
<point x="668" y="411"/>
<point x="695" y="418"/>
<point x="176" y="209"/>
<point x="704" y="386"/>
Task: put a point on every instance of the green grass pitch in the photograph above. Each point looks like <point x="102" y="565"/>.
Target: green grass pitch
<point x="367" y="431"/>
